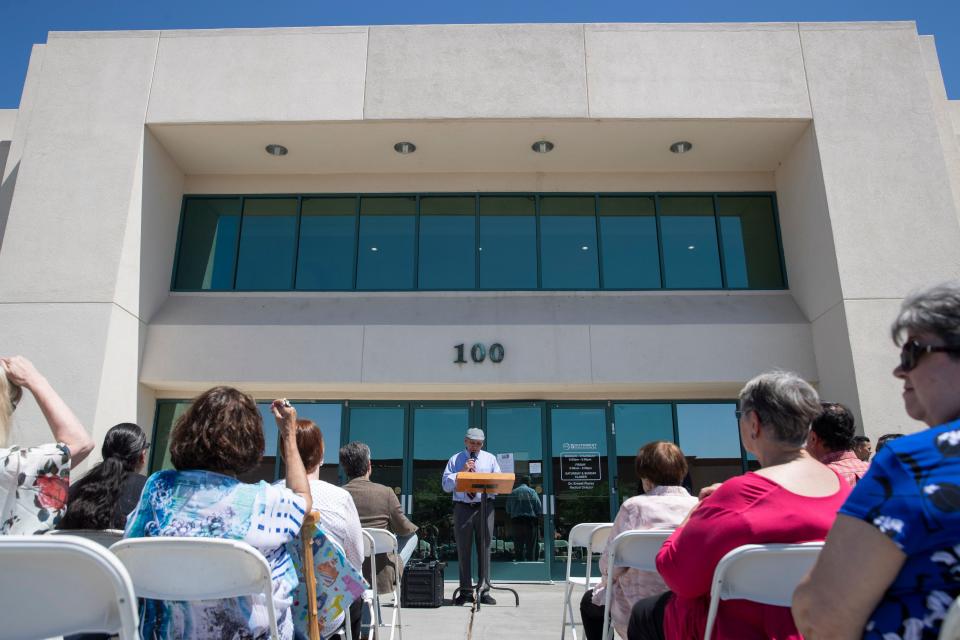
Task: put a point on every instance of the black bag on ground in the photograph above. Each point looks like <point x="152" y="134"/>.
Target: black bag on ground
<point x="422" y="584"/>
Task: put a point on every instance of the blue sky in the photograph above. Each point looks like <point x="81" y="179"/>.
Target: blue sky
<point x="26" y="22"/>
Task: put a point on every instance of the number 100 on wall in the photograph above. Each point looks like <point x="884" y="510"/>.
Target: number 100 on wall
<point x="479" y="352"/>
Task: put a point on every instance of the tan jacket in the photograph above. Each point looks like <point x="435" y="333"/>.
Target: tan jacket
<point x="379" y="508"/>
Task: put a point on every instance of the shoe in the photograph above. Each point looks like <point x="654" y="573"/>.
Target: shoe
<point x="463" y="597"/>
<point x="485" y="598"/>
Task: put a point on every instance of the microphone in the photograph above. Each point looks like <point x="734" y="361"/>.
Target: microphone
<point x="473" y="456"/>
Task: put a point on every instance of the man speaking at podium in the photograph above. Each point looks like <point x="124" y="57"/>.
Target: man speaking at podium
<point x="466" y="513"/>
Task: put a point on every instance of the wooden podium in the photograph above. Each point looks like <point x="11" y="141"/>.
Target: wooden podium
<point x="483" y="483"/>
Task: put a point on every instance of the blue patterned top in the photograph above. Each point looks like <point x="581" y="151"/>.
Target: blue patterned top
<point x="204" y="504"/>
<point x="912" y="494"/>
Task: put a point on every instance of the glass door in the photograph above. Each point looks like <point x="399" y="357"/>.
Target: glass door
<point x="516" y="435"/>
<point x="438" y="432"/>
<point x="580" y="487"/>
<point x="383" y="428"/>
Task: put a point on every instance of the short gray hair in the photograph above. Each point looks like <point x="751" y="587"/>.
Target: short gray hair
<point x="783" y="401"/>
<point x="933" y="310"/>
<point x="355" y="459"/>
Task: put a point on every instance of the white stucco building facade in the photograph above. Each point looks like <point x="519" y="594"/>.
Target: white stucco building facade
<point x="848" y="125"/>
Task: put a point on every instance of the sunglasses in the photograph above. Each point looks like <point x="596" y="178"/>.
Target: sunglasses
<point x="912" y="351"/>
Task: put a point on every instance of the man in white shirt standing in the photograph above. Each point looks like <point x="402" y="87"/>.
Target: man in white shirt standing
<point x="466" y="514"/>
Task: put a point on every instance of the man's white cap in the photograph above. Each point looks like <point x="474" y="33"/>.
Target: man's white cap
<point x="475" y="434"/>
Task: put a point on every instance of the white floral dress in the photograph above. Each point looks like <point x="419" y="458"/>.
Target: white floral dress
<point x="33" y="488"/>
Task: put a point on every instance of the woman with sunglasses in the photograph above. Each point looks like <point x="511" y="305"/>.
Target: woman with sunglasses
<point x="34" y="480"/>
<point x="898" y="534"/>
<point x="111" y="489"/>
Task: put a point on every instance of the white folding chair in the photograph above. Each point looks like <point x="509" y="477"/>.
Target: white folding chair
<point x="950" y="629"/>
<point x="92" y="591"/>
<point x="371" y="597"/>
<point x="764" y="573"/>
<point x="197" y="569"/>
<point x="633" y="549"/>
<point x="103" y="537"/>
<point x="383" y="541"/>
<point x="591" y="536"/>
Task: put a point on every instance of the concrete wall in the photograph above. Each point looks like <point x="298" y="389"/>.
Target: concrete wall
<point x="866" y="210"/>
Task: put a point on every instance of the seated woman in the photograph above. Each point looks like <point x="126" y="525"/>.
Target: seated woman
<point x="792" y="498"/>
<point x="661" y="468"/>
<point x="338" y="517"/>
<point x="34" y="480"/>
<point x="899" y="532"/>
<point x="219" y="437"/>
<point x="104" y="497"/>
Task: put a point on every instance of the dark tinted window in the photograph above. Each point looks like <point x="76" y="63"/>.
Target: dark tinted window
<point x="568" y="243"/>
<point x="387" y="238"/>
<point x="508" y="243"/>
<point x="328" y="229"/>
<point x="267" y="241"/>
<point x="628" y="235"/>
<point x="691" y="256"/>
<point x="208" y="244"/>
<point x="751" y="252"/>
<point x="448" y="243"/>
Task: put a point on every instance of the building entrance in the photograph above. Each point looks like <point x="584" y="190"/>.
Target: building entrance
<point x="573" y="461"/>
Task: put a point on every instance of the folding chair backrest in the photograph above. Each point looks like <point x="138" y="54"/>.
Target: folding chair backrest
<point x="91" y="590"/>
<point x="764" y="573"/>
<point x="194" y="568"/>
<point x="637" y="549"/>
<point x="950" y="630"/>
<point x="383" y="541"/>
<point x="103" y="537"/>
<point x="369" y="544"/>
<point x="598" y="538"/>
<point x="579" y="535"/>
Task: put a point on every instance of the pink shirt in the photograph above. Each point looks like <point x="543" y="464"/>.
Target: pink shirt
<point x="662" y="507"/>
<point x="847" y="465"/>
<point x="747" y="509"/>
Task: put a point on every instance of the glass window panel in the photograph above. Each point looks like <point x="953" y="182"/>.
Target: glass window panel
<point x="710" y="438"/>
<point x="448" y="238"/>
<point x="690" y="252"/>
<point x="437" y="434"/>
<point x="208" y="244"/>
<point x="267" y="242"/>
<point x="508" y="243"/>
<point x="387" y="234"/>
<point x="568" y="243"/>
<point x="636" y="425"/>
<point x="327" y="243"/>
<point x="751" y="253"/>
<point x="382" y="429"/>
<point x="327" y="418"/>
<point x="628" y="231"/>
<point x="167" y="415"/>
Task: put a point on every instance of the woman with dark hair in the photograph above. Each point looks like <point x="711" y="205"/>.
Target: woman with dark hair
<point x="111" y="489"/>
<point x="219" y="437"/>
<point x="661" y="468"/>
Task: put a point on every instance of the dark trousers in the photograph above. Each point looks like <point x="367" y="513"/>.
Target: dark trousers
<point x="466" y="529"/>
<point x="524" y="538"/>
<point x="592" y="616"/>
<point x="646" y="618"/>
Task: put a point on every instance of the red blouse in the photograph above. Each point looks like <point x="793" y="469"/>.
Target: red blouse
<point x="748" y="509"/>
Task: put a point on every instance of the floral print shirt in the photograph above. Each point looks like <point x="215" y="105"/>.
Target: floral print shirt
<point x="204" y="504"/>
<point x="33" y="488"/>
<point x="912" y="494"/>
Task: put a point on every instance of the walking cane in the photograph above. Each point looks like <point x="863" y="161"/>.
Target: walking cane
<point x="309" y="572"/>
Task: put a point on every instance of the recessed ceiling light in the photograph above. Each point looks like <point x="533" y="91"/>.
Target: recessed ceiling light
<point x="404" y="148"/>
<point x="373" y="249"/>
<point x="542" y="146"/>
<point x="681" y="146"/>
<point x="691" y="248"/>
<point x="276" y="149"/>
<point x="584" y="248"/>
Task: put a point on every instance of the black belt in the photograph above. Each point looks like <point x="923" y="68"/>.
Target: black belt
<point x="468" y="504"/>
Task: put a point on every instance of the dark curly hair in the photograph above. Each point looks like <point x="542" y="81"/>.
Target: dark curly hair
<point x="835" y="426"/>
<point x="221" y="431"/>
<point x="93" y="498"/>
